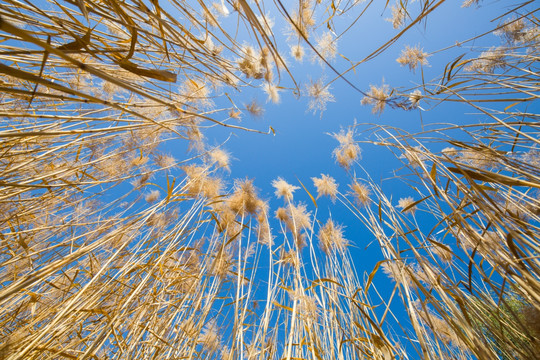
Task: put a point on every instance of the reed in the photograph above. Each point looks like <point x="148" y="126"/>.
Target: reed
<point x="111" y="248"/>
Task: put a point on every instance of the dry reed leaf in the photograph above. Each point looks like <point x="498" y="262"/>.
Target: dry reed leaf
<point x="163" y="75"/>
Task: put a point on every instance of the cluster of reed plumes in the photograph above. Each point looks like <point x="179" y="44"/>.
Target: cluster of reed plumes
<point x="112" y="248"/>
<point x="463" y="251"/>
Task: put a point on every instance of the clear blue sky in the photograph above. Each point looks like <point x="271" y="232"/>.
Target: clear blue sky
<point x="302" y="148"/>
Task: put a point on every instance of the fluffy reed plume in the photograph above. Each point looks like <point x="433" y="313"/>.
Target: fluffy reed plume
<point x="398" y="15"/>
<point x="326" y="186"/>
<point x="331" y="237"/>
<point x="412" y="57"/>
<point x="348" y="150"/>
<point x="272" y="91"/>
<point x="298" y="52"/>
<point x="284" y="189"/>
<point x="326" y="47"/>
<point x="378" y="97"/>
<point x="360" y="193"/>
<point x="319" y="95"/>
<point x="406" y="205"/>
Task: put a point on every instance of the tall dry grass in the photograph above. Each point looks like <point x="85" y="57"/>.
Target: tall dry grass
<point x="463" y="249"/>
<point x="107" y="252"/>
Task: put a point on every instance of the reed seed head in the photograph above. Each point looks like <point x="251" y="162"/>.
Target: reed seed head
<point x="412" y="57"/>
<point x="326" y="186"/>
<point x="284" y="189"/>
<point x="406" y="205"/>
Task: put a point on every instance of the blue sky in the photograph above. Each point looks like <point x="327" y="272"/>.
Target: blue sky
<point x="302" y="147"/>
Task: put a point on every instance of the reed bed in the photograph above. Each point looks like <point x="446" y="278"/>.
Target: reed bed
<point x="463" y="250"/>
<point x="111" y="248"/>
